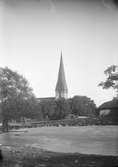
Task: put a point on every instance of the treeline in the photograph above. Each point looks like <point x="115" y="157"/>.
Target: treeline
<point x="16" y="97"/>
<point x="62" y="108"/>
<point x="17" y="101"/>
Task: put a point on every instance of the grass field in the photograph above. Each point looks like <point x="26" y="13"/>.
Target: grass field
<point x="101" y="140"/>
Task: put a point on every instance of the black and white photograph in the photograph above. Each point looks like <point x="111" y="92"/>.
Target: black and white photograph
<point x="58" y="83"/>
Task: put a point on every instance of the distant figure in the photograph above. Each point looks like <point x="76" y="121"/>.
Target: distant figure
<point x="1" y="156"/>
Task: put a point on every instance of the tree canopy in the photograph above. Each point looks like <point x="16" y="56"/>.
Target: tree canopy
<point x="83" y="106"/>
<point x="61" y="108"/>
<point x="16" y="96"/>
<point x="111" y="78"/>
<point x="55" y="109"/>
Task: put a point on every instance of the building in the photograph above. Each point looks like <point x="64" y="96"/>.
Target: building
<point x="109" y="109"/>
<point x="61" y="90"/>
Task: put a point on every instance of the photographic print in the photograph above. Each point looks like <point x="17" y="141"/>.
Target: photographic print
<point x="58" y="83"/>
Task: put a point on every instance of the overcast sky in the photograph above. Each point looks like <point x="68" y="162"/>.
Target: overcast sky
<point x="34" y="32"/>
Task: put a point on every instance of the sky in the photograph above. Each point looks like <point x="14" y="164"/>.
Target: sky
<point x="34" y="32"/>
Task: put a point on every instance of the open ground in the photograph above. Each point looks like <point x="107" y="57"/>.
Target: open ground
<point x="86" y="146"/>
<point x="102" y="140"/>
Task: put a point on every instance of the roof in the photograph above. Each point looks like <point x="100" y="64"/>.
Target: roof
<point x="109" y="105"/>
<point x="45" y="99"/>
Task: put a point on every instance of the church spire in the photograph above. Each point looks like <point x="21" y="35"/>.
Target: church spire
<point x="61" y="86"/>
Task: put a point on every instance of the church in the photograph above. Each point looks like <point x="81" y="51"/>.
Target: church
<point x="61" y="90"/>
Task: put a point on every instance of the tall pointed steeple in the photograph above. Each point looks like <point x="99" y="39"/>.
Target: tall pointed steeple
<point x="61" y="86"/>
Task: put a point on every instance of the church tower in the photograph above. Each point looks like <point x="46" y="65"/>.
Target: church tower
<point x="61" y="90"/>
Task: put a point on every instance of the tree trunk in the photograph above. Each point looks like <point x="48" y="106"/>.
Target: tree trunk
<point x="5" y="125"/>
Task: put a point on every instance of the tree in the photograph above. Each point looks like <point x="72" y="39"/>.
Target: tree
<point x="62" y="108"/>
<point x="112" y="78"/>
<point x="15" y="96"/>
<point x="48" y="109"/>
<point x="83" y="106"/>
<point x="55" y="109"/>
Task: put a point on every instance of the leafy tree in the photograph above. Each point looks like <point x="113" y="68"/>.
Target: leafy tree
<point x="48" y="109"/>
<point x="55" y="109"/>
<point x="83" y="106"/>
<point x="62" y="108"/>
<point x="112" y="78"/>
<point x="28" y="108"/>
<point x="15" y="96"/>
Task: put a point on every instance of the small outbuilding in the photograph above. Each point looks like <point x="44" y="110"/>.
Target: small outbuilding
<point x="109" y="110"/>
